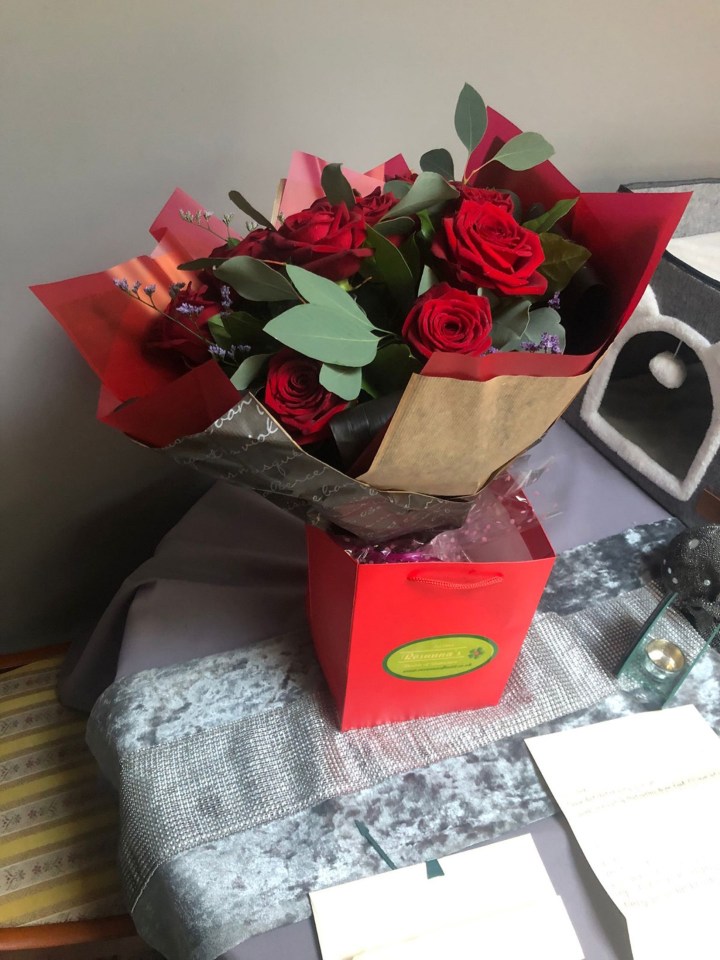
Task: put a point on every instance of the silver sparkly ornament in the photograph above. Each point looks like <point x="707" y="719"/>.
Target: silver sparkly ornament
<point x="691" y="569"/>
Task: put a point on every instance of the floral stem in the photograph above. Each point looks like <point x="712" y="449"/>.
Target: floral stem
<point x="150" y="303"/>
<point x="469" y="177"/>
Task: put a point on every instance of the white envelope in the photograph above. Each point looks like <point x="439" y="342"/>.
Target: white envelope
<point x="495" y="901"/>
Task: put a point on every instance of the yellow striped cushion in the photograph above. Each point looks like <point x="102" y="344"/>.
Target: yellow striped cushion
<point x="58" y="821"/>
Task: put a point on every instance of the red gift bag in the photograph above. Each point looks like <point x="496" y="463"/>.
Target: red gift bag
<point x="398" y="641"/>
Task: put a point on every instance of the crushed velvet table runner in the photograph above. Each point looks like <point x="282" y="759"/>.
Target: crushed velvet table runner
<point x="230" y="816"/>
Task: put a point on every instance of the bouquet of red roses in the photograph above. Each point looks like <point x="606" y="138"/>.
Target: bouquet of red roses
<point x="382" y="344"/>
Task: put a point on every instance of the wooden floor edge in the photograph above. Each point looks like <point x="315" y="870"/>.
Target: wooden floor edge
<point x="8" y="661"/>
<point x="62" y="934"/>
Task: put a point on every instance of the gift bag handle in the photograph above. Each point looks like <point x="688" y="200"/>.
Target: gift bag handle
<point x="465" y="583"/>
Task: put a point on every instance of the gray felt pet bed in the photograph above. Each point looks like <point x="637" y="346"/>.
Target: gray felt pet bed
<point x="653" y="406"/>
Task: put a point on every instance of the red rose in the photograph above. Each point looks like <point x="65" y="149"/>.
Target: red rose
<point x="450" y="320"/>
<point x="325" y="239"/>
<point x="184" y="331"/>
<point x="484" y="246"/>
<point x="375" y="205"/>
<point x="481" y="195"/>
<point x="295" y="395"/>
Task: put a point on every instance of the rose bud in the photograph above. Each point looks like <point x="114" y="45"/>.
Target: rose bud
<point x="375" y="205"/>
<point x="481" y="195"/>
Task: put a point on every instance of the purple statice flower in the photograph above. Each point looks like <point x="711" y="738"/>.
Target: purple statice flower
<point x="554" y="300"/>
<point x="175" y="288"/>
<point x="190" y="309"/>
<point x="490" y="350"/>
<point x="150" y="289"/>
<point x="232" y="354"/>
<point x="550" y="343"/>
<point x="225" y="297"/>
<point x="122" y="284"/>
<point x="136" y="286"/>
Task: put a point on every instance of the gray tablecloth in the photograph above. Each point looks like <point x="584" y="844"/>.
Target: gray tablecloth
<point x="233" y="572"/>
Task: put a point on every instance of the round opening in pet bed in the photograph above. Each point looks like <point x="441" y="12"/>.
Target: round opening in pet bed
<point x="669" y="425"/>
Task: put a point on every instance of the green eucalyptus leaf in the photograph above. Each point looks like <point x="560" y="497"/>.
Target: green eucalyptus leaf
<point x="317" y="289"/>
<point x="470" y="117"/>
<point x="218" y="332"/>
<point x="399" y="227"/>
<point x="239" y="200"/>
<point x="544" y="320"/>
<point x="255" y="280"/>
<point x="512" y="343"/>
<point x="411" y="254"/>
<point x="335" y="186"/>
<point x="545" y="221"/>
<point x="345" y="382"/>
<point x="563" y="259"/>
<point x="249" y="370"/>
<point x="378" y="303"/>
<point x="427" y="280"/>
<point x="524" y="151"/>
<point x="514" y="317"/>
<point x="326" y="334"/>
<point x="369" y="389"/>
<point x="398" y="188"/>
<point x="391" y="267"/>
<point x="245" y="330"/>
<point x="391" y="369"/>
<point x="429" y="189"/>
<point x="202" y="263"/>
<point x="502" y="336"/>
<point x="438" y="161"/>
<point x="427" y="227"/>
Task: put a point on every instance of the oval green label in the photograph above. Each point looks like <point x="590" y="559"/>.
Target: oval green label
<point x="437" y="658"/>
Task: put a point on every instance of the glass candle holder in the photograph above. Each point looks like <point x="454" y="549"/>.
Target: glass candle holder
<point x="667" y="650"/>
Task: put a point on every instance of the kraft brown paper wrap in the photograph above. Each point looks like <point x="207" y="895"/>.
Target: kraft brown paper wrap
<point x="449" y="437"/>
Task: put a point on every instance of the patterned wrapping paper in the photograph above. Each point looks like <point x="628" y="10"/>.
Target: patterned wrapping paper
<point x="148" y="728"/>
<point x="248" y="446"/>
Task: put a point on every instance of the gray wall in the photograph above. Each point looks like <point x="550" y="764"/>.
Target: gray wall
<point x="106" y="106"/>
